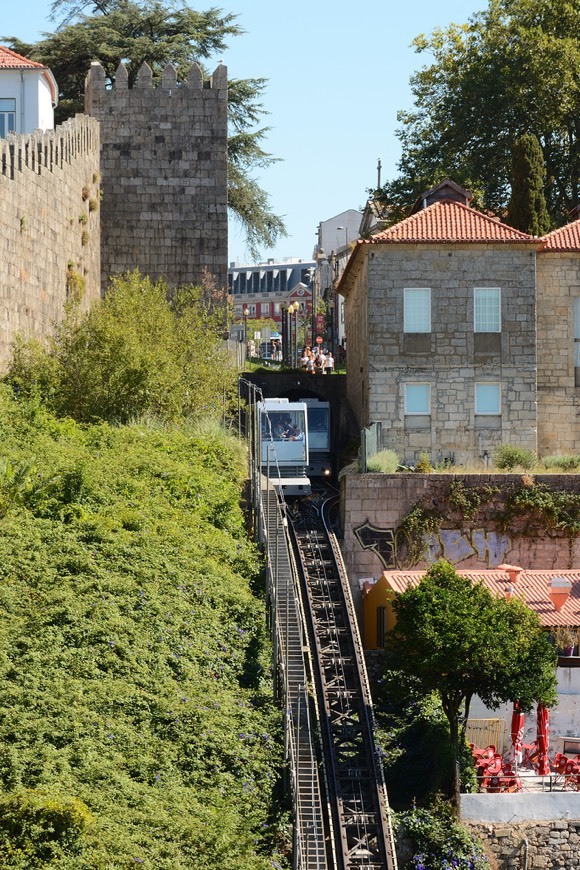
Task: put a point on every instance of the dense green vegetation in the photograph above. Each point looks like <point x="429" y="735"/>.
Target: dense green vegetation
<point x="136" y="718"/>
<point x="137" y="351"/>
<point x="512" y="69"/>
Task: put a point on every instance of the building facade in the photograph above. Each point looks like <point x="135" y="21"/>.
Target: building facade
<point x="558" y="307"/>
<point x="263" y="290"/>
<point x="441" y="329"/>
<point x="28" y="94"/>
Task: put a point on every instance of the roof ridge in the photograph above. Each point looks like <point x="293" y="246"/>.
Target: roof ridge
<point x="565" y="238"/>
<point x="424" y="216"/>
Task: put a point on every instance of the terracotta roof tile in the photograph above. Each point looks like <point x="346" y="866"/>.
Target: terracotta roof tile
<point x="563" y="239"/>
<point x="10" y="60"/>
<point x="449" y="221"/>
<point x="532" y="587"/>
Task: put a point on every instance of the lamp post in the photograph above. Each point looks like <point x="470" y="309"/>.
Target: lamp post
<point x="285" y="336"/>
<point x="245" y="312"/>
<point x="312" y="274"/>
<point x="292" y="309"/>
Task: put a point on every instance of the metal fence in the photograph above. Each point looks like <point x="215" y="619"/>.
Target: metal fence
<point x="370" y="443"/>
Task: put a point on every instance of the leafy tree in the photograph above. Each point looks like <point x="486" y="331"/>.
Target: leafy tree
<point x="514" y="68"/>
<point x="160" y="32"/>
<point x="527" y="206"/>
<point x="135" y="352"/>
<point x="454" y="638"/>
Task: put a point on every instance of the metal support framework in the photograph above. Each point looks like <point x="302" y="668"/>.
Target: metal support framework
<point x="342" y="819"/>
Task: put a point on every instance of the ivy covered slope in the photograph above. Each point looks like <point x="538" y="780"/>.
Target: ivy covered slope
<point x="136" y="719"/>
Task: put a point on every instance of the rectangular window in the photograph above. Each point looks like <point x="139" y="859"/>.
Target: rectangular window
<point x="417" y="398"/>
<point x="417" y="309"/>
<point x="7" y="116"/>
<point x="488" y="399"/>
<point x="487" y="309"/>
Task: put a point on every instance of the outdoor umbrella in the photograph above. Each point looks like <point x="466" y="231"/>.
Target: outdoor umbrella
<point x="517" y="734"/>
<point x="543" y="740"/>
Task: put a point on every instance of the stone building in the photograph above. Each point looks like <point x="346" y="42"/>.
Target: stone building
<point x="441" y="331"/>
<point x="558" y="314"/>
<point x="141" y="184"/>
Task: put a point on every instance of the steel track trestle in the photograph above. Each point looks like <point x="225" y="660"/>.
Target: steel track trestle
<point x="357" y="795"/>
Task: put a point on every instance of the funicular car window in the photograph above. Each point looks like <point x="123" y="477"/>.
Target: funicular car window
<point x="285" y="425"/>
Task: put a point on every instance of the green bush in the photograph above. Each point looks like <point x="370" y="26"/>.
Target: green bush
<point x="564" y="463"/>
<point x="439" y="840"/>
<point x="508" y="457"/>
<point x="134" y="658"/>
<point x="424" y="465"/>
<point x="138" y="351"/>
<point x="385" y="461"/>
<point x="38" y="828"/>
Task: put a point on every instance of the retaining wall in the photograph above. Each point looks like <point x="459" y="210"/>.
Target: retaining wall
<point x="49" y="182"/>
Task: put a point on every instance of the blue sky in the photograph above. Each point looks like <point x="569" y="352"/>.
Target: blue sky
<point x="338" y="73"/>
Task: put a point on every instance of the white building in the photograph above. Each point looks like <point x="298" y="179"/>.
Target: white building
<point x="336" y="236"/>
<point x="28" y="94"/>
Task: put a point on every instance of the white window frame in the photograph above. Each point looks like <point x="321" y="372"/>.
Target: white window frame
<point x="421" y="413"/>
<point x="413" y="307"/>
<point x="487" y="413"/>
<point x="489" y="315"/>
<point x="8" y="114"/>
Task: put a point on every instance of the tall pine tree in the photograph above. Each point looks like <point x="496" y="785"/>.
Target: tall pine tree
<point x="527" y="210"/>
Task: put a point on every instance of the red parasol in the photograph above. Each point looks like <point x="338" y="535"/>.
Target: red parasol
<point x="517" y="734"/>
<point x="543" y="739"/>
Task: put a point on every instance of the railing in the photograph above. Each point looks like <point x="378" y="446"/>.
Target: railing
<point x="370" y="443"/>
<point x="291" y="658"/>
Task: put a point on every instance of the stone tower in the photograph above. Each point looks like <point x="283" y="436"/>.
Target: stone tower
<point x="164" y="173"/>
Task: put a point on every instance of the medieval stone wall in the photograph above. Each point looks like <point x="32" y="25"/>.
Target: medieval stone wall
<point x="164" y="174"/>
<point x="49" y="226"/>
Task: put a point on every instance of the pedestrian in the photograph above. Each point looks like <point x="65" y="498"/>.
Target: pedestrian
<point x="329" y="366"/>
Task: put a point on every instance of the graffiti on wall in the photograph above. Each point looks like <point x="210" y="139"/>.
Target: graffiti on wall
<point x="454" y="545"/>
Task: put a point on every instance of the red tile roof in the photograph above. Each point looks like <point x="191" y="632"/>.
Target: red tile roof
<point x="449" y="221"/>
<point x="532" y="587"/>
<point x="564" y="239"/>
<point x="10" y="60"/>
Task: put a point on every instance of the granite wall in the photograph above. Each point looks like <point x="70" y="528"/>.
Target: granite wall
<point x="49" y="227"/>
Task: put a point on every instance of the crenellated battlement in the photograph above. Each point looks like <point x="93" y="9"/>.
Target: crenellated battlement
<point x="98" y="91"/>
<point x="44" y="151"/>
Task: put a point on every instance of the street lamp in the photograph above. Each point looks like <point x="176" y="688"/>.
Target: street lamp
<point x="292" y="310"/>
<point x="245" y="312"/>
<point x="285" y="333"/>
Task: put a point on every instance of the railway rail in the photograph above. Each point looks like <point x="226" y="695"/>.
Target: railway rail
<point x="342" y="817"/>
<point x="360" y="819"/>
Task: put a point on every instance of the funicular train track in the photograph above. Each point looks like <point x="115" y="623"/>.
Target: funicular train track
<point x="356" y="792"/>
